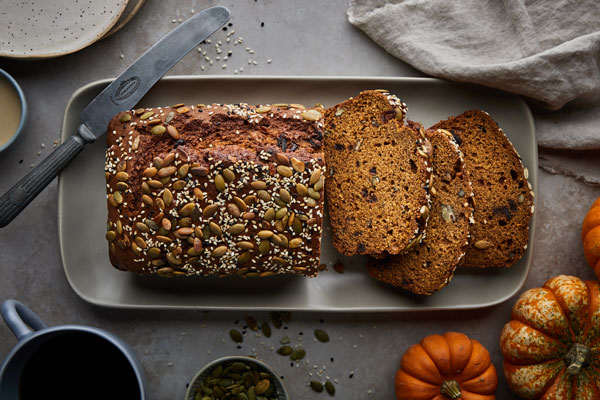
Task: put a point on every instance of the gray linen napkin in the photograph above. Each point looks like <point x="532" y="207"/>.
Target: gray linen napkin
<point x="546" y="51"/>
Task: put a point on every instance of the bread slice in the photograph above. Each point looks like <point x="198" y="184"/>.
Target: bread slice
<point x="377" y="175"/>
<point x="430" y="265"/>
<point x="503" y="196"/>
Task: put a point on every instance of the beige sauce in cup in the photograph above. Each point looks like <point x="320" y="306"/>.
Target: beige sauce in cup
<point x="10" y="109"/>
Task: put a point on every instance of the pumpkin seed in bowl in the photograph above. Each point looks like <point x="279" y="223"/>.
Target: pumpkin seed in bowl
<point x="236" y="377"/>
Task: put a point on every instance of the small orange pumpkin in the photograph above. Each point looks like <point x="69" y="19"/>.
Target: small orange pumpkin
<point x="448" y="366"/>
<point x="590" y="236"/>
<point x="551" y="347"/>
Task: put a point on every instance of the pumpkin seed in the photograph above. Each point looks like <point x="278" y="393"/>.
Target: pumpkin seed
<point x="266" y="329"/>
<point x="199" y="171"/>
<point x="282" y="159"/>
<point x="284" y="171"/>
<point x="265" y="234"/>
<point x="173" y="260"/>
<point x="269" y="214"/>
<point x="154" y="184"/>
<point x="285" y="340"/>
<point x="233" y="210"/>
<point x="146" y="188"/>
<point x="298" y="355"/>
<point x="122" y="186"/>
<point x="167" y="197"/>
<point x="249" y="200"/>
<point x="320" y="183"/>
<point x="172" y="131"/>
<point x="321" y="335"/>
<point x="210" y="210"/>
<point x="248" y="216"/>
<point x="111" y="235"/>
<point x="448" y="213"/>
<point x="220" y="183"/>
<point x="186" y="210"/>
<point x="236" y="229"/>
<point x="316" y="386"/>
<point x="281" y="213"/>
<point x="219" y="251"/>
<point x="214" y="228"/>
<point x="262" y="386"/>
<point x="298" y="165"/>
<point x="237" y="337"/>
<point x="275" y="319"/>
<point x="481" y="244"/>
<point x="122" y="176"/>
<point x="302" y="190"/>
<point x="158" y="130"/>
<point x="311" y="202"/>
<point x="244" y="257"/>
<point x="315" y="176"/>
<point x="294" y="243"/>
<point x="285" y="195"/>
<point x="314" y="194"/>
<point x="229" y="175"/>
<point x="263" y="109"/>
<point x="330" y="388"/>
<point x="312" y="115"/>
<point x="264" y="247"/>
<point x="240" y="203"/>
<point x="245" y="245"/>
<point x="251" y="322"/>
<point x="147" y="115"/>
<point x="125" y="118"/>
<point x="258" y="185"/>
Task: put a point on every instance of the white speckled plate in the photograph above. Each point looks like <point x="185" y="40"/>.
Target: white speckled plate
<point x="82" y="206"/>
<point x="51" y="28"/>
<point x="133" y="6"/>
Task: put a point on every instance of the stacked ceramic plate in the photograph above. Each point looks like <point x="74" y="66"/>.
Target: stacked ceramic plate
<point x="34" y="29"/>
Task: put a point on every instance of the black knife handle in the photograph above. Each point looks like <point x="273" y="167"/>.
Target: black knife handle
<point x="20" y="195"/>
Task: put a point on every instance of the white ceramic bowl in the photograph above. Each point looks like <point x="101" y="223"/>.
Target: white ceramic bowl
<point x="197" y="380"/>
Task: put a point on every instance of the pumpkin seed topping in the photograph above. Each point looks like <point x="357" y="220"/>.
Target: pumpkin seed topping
<point x="481" y="244"/>
<point x="125" y="118"/>
<point x="158" y="130"/>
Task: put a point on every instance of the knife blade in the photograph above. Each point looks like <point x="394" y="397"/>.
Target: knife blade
<point x="123" y="93"/>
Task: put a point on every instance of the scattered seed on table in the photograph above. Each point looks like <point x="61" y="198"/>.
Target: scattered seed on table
<point x="236" y="336"/>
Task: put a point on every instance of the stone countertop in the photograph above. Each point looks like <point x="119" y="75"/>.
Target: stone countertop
<point x="365" y="349"/>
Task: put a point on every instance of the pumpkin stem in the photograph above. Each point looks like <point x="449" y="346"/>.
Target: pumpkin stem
<point x="577" y="357"/>
<point x="450" y="389"/>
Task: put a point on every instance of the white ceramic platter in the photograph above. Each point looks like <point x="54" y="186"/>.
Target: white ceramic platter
<point x="50" y="28"/>
<point x="82" y="206"/>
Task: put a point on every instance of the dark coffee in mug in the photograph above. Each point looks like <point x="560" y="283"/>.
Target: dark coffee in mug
<point x="78" y="365"/>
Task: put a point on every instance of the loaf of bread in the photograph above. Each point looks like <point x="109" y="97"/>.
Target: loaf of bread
<point x="216" y="190"/>
<point x="430" y="264"/>
<point x="377" y="176"/>
<point x="503" y="198"/>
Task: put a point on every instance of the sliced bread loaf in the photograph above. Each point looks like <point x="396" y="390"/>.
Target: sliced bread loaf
<point x="430" y="265"/>
<point x="377" y="175"/>
<point x="503" y="196"/>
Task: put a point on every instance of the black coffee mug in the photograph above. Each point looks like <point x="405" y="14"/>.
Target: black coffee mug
<point x="66" y="361"/>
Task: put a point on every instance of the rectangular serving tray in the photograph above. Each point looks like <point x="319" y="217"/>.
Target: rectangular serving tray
<point x="82" y="206"/>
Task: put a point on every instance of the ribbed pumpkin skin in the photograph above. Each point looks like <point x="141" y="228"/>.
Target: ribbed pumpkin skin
<point x="438" y="358"/>
<point x="590" y="237"/>
<point x="546" y="323"/>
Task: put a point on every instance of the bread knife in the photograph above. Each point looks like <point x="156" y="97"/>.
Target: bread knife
<point x="122" y="94"/>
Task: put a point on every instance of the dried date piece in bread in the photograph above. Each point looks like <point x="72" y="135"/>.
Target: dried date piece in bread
<point x="377" y="175"/>
<point x="430" y="265"/>
<point x="216" y="190"/>
<point x="503" y="196"/>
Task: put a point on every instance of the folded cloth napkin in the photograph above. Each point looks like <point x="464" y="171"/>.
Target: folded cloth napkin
<point x="546" y="51"/>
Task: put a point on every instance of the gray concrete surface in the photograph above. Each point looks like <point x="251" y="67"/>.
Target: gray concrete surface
<point x="301" y="38"/>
